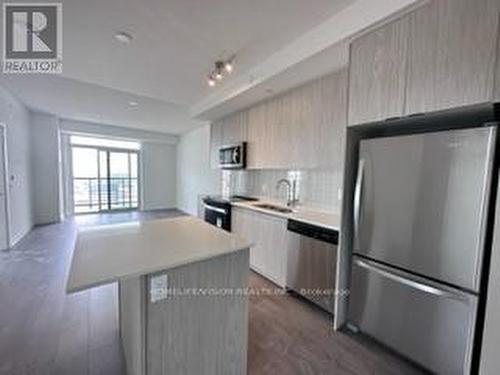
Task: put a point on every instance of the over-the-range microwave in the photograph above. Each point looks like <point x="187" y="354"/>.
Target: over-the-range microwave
<point x="232" y="156"/>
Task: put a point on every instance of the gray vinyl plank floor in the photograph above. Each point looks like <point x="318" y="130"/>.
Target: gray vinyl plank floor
<point x="42" y="329"/>
<point x="45" y="331"/>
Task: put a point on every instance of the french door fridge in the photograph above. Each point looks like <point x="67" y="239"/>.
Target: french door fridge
<point x="419" y="228"/>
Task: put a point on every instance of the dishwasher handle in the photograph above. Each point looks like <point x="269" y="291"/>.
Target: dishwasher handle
<point x="313" y="231"/>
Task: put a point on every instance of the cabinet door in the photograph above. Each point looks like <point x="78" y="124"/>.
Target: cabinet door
<point x="241" y="226"/>
<point x="273" y="234"/>
<point x="258" y="138"/>
<point x="302" y="127"/>
<point x="269" y="237"/>
<point x="496" y="93"/>
<point x="330" y="131"/>
<point x="277" y="131"/>
<point x="451" y="58"/>
<point x="378" y="73"/>
<point x="215" y="142"/>
<point x="245" y="223"/>
<point x="234" y="129"/>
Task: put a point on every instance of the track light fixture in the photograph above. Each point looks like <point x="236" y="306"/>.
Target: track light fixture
<point x="221" y="67"/>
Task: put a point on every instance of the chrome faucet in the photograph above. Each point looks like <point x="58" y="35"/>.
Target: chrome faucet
<point x="291" y="191"/>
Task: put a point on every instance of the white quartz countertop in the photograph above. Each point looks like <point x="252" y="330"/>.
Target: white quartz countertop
<point x="108" y="253"/>
<point x="320" y="218"/>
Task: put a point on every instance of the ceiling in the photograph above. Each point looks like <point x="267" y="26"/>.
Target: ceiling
<point x="72" y="99"/>
<point x="175" y="43"/>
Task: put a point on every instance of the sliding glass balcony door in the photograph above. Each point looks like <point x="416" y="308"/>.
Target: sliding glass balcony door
<point x="104" y="179"/>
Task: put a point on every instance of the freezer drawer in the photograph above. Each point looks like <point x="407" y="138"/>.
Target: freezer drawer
<point x="421" y="202"/>
<point x="426" y="322"/>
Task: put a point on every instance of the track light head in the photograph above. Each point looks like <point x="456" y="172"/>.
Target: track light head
<point x="221" y="67"/>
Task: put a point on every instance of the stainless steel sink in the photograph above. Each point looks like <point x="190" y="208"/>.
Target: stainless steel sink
<point x="272" y="207"/>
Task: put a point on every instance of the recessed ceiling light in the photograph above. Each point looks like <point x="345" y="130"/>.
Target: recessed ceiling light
<point x="123" y="37"/>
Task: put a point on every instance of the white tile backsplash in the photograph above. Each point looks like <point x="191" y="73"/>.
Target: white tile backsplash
<point x="316" y="188"/>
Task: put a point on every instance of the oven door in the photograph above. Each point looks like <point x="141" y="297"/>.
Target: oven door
<point x="218" y="216"/>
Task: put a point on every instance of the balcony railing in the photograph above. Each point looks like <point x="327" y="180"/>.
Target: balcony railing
<point x="92" y="194"/>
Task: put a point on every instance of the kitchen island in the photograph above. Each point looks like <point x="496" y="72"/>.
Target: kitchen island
<point x="182" y="282"/>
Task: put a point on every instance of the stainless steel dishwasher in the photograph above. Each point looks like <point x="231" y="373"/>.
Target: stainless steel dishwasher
<point x="311" y="264"/>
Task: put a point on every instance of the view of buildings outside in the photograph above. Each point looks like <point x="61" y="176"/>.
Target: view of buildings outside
<point x="104" y="179"/>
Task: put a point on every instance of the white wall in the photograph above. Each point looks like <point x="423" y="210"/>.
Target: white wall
<point x="17" y="119"/>
<point x="45" y="168"/>
<point x="158" y="170"/>
<point x="116" y="131"/>
<point x="194" y="175"/>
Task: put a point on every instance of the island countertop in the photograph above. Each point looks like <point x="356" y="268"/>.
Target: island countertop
<point x="109" y="253"/>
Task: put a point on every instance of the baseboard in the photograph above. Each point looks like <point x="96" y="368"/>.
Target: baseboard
<point x="143" y="209"/>
<point x="14" y="240"/>
<point x="43" y="223"/>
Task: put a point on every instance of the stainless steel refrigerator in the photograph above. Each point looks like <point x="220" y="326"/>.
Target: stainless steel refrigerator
<point x="420" y="215"/>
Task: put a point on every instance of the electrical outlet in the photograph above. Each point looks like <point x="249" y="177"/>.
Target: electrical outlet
<point x="158" y="288"/>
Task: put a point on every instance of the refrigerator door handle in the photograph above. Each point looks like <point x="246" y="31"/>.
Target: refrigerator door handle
<point x="426" y="288"/>
<point x="358" y="192"/>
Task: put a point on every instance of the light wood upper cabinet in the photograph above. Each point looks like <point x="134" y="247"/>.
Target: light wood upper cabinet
<point x="227" y="131"/>
<point x="258" y="141"/>
<point x="452" y="54"/>
<point x="329" y="140"/>
<point x="496" y="90"/>
<point x="377" y="73"/>
<point x="316" y="122"/>
<point x="234" y="129"/>
<point x="215" y="142"/>
<point x="302" y="128"/>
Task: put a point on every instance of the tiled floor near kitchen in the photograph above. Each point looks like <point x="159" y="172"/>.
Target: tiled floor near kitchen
<point x="44" y="331"/>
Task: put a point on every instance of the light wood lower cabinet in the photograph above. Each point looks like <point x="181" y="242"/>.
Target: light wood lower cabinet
<point x="197" y="328"/>
<point x="269" y="236"/>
